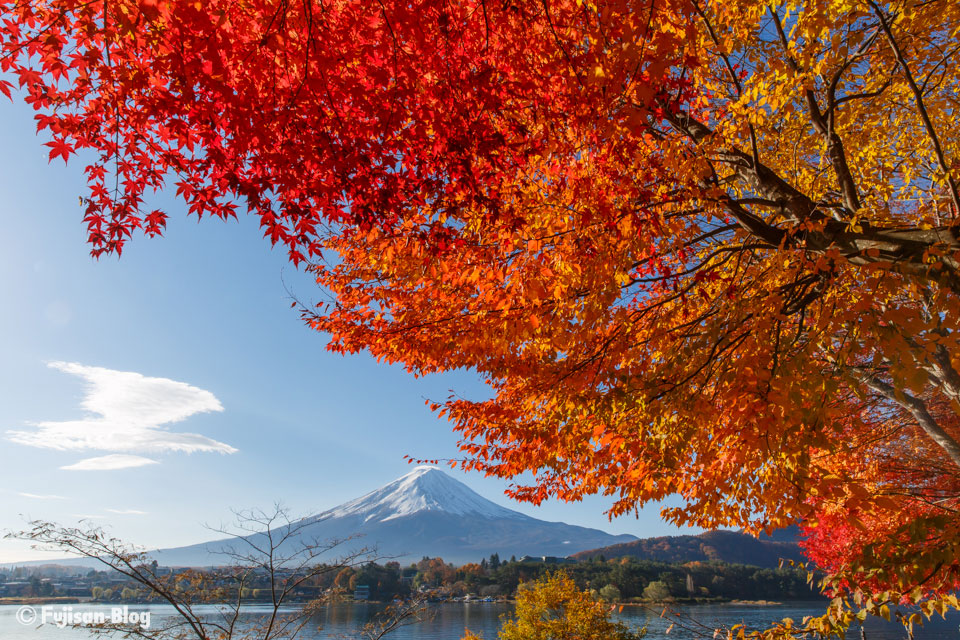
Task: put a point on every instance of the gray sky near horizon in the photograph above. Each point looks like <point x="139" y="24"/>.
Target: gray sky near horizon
<point x="153" y="393"/>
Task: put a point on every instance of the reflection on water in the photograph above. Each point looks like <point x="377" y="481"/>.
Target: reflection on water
<point x="450" y="620"/>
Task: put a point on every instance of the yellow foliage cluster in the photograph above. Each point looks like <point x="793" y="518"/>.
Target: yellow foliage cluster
<point x="554" y="608"/>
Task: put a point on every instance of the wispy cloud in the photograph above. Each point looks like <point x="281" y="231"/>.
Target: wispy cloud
<point x="38" y="496"/>
<point x="128" y="512"/>
<point x="111" y="462"/>
<point x="127" y="412"/>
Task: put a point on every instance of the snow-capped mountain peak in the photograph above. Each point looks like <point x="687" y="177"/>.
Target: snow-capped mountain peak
<point x="424" y="513"/>
<point x="424" y="488"/>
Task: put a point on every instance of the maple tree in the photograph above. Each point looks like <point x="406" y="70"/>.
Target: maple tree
<point x="695" y="248"/>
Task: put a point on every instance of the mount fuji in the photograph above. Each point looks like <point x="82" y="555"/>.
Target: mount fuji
<point x="425" y="513"/>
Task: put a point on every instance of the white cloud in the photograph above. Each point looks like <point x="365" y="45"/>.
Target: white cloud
<point x="127" y="412"/>
<point x="110" y="463"/>
<point x="128" y="512"/>
<point x="38" y="496"/>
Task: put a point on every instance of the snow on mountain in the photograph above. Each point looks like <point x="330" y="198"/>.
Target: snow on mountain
<point x="423" y="489"/>
<point x="423" y="513"/>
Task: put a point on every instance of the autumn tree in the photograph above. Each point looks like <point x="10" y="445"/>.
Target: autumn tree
<point x="553" y="608"/>
<point x="697" y="248"/>
<point x="765" y="326"/>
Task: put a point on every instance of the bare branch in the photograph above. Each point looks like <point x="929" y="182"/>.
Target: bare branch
<point x="270" y="548"/>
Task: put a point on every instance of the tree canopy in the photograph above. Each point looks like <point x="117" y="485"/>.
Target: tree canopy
<point x="697" y="248"/>
<point x="553" y="608"/>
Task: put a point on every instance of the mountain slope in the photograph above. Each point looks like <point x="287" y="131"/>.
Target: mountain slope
<point x="711" y="546"/>
<point x="425" y="513"/>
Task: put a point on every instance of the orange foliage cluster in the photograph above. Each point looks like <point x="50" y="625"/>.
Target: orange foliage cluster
<point x="696" y="248"/>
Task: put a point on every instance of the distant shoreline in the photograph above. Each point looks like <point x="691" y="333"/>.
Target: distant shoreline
<point x="50" y="600"/>
<point x="511" y="601"/>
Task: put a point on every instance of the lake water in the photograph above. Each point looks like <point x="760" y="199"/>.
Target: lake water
<point x="450" y="619"/>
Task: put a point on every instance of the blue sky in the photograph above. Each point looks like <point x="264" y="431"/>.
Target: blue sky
<point x="201" y="321"/>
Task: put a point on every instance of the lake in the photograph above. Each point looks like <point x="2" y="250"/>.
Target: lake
<point x="450" y="620"/>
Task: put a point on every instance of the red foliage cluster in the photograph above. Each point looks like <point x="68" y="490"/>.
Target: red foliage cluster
<point x="314" y="113"/>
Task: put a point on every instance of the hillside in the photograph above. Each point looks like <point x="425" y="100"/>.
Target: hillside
<point x="712" y="546"/>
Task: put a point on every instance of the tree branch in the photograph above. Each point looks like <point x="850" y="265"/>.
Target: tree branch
<point x="918" y="408"/>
